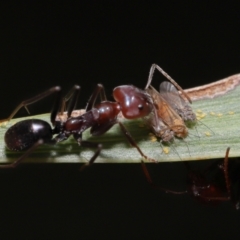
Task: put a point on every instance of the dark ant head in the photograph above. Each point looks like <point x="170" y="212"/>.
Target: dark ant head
<point x="134" y="102"/>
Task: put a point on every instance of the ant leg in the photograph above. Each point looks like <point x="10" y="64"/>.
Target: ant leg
<point x="95" y="155"/>
<point x="150" y="77"/>
<point x="226" y="175"/>
<point x="150" y="181"/>
<point x="213" y="165"/>
<point x="74" y="100"/>
<point x="88" y="144"/>
<point x="214" y="194"/>
<point x="19" y="160"/>
<point x="98" y="90"/>
<point x="73" y="95"/>
<point x="232" y="196"/>
<point x="133" y="143"/>
<point x="30" y="101"/>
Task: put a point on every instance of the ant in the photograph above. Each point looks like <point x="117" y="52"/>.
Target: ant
<point x="27" y="135"/>
<point x="205" y="186"/>
<point x="131" y="101"/>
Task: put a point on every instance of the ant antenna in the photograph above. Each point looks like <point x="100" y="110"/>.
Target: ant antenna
<point x="225" y="170"/>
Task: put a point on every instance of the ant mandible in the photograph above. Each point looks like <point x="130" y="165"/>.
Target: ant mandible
<point x="29" y="134"/>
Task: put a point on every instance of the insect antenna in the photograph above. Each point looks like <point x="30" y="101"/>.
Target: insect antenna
<point x="187" y="146"/>
<point x="172" y="146"/>
<point x="191" y="134"/>
<point x="207" y="127"/>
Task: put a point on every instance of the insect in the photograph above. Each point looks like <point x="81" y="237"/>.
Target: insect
<point x="131" y="101"/>
<point x="164" y="121"/>
<point x="210" y="186"/>
<point x="170" y="94"/>
<point x="29" y="134"/>
<point x="159" y="128"/>
<point x="171" y="112"/>
<point x="165" y="113"/>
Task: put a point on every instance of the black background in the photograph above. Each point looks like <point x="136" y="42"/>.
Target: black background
<point x="47" y="44"/>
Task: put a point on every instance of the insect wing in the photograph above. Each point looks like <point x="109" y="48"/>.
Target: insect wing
<point x="175" y="100"/>
<point x="167" y="113"/>
<point x="171" y="95"/>
<point x="164" y="110"/>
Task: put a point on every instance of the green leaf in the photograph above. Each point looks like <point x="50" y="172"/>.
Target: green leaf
<point x="218" y="129"/>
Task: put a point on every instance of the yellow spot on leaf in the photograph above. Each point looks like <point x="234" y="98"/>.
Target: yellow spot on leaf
<point x="200" y="116"/>
<point x="208" y="134"/>
<point x="203" y="115"/>
<point x="166" y="150"/>
<point x="153" y="138"/>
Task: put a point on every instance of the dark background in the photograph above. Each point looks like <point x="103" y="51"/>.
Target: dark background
<point x="47" y="44"/>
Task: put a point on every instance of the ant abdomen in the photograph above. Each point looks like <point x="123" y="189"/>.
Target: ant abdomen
<point x="22" y="135"/>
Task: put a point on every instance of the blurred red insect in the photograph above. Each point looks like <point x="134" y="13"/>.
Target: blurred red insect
<point x="209" y="186"/>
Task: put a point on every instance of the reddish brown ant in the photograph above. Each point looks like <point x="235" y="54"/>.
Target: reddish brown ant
<point x="205" y="186"/>
<point x="28" y="134"/>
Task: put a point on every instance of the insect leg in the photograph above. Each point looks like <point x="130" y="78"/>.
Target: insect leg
<point x="19" y="160"/>
<point x="73" y="95"/>
<point x="98" y="90"/>
<point x="133" y="143"/>
<point x="152" y="70"/>
<point x="88" y="144"/>
<point x="31" y="101"/>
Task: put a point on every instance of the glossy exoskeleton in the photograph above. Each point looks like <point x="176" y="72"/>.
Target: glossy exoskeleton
<point x="28" y="134"/>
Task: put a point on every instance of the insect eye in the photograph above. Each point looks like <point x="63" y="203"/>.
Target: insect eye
<point x="140" y="107"/>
